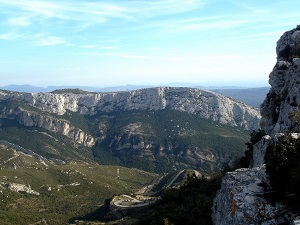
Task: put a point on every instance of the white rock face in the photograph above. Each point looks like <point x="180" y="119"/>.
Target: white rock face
<point x="204" y="103"/>
<point x="30" y="118"/>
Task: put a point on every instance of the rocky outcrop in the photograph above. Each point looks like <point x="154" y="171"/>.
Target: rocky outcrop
<point x="18" y="188"/>
<point x="259" y="151"/>
<point x="204" y="103"/>
<point x="31" y="118"/>
<point x="241" y="200"/>
<point x="284" y="96"/>
<point x="242" y="197"/>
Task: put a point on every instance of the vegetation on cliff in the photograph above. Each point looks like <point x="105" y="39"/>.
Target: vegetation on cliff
<point x="189" y="204"/>
<point x="283" y="168"/>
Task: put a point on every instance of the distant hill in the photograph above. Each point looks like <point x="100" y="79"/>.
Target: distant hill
<point x="251" y="96"/>
<point x="30" y="88"/>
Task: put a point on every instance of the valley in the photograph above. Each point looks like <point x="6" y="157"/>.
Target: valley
<point x="72" y="156"/>
<point x="149" y="112"/>
<point x="40" y="189"/>
<point x="158" y="129"/>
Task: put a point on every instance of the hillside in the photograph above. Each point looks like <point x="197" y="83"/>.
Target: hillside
<point x="158" y="130"/>
<point x="162" y="141"/>
<point x="36" y="190"/>
<point x="251" y="96"/>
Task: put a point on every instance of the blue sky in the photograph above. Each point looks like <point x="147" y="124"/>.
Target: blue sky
<point x="111" y="43"/>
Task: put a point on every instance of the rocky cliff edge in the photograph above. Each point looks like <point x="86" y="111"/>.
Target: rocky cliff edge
<point x="242" y="197"/>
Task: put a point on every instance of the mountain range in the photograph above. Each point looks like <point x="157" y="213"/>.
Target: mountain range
<point x="55" y="144"/>
<point x="251" y="96"/>
<point x="155" y="129"/>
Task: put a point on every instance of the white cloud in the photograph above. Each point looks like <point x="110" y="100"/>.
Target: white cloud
<point x="88" y="13"/>
<point x="88" y="46"/>
<point x="153" y="49"/>
<point x="254" y="9"/>
<point x="10" y="36"/>
<point x="183" y="26"/>
<point x="129" y="55"/>
<point x="50" y="41"/>
<point x="253" y="38"/>
<point x="164" y="7"/>
<point x="109" y="47"/>
<point x="20" y="21"/>
<point x="37" y="7"/>
<point x="76" y="10"/>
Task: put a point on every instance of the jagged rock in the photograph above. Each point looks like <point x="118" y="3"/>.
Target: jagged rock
<point x="241" y="199"/>
<point x="259" y="151"/>
<point x="296" y="221"/>
<point x="204" y="103"/>
<point x="284" y="95"/>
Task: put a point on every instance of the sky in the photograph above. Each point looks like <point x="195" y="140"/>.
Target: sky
<point x="141" y="42"/>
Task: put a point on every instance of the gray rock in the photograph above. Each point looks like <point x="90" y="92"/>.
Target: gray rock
<point x="19" y="188"/>
<point x="296" y="221"/>
<point x="241" y="197"/>
<point x="259" y="151"/>
<point x="284" y="96"/>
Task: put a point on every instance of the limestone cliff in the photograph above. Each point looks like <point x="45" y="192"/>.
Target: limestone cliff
<point x="35" y="119"/>
<point x="242" y="198"/>
<point x="204" y="103"/>
<point x="284" y="95"/>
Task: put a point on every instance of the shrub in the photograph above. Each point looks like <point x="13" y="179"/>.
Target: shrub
<point x="245" y="161"/>
<point x="283" y="168"/>
<point x="190" y="204"/>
